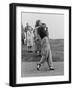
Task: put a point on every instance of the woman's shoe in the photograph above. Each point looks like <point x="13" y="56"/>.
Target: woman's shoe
<point x="38" y="66"/>
<point x="51" y="68"/>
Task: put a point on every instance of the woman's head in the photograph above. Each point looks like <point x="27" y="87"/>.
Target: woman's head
<point x="38" y="23"/>
<point x="44" y="25"/>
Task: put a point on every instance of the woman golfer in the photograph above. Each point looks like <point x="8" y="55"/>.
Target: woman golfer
<point x="46" y="54"/>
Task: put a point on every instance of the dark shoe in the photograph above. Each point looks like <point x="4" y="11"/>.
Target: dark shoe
<point x="38" y="66"/>
<point x="51" y="68"/>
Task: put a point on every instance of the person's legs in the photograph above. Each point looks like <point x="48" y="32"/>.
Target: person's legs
<point x="43" y="59"/>
<point x="38" y="47"/>
<point x="49" y="60"/>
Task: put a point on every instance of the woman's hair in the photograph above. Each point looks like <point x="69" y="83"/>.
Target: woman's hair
<point x="43" y="23"/>
<point x="37" y="23"/>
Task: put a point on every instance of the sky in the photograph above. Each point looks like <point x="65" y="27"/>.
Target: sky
<point x="54" y="22"/>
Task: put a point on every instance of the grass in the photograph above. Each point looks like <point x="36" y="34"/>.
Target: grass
<point x="57" y="48"/>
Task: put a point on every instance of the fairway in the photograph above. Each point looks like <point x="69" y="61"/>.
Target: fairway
<point x="30" y="69"/>
<point x="57" y="48"/>
<point x="30" y="60"/>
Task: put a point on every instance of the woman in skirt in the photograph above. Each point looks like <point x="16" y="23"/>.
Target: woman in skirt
<point x="45" y="49"/>
<point x="28" y="40"/>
